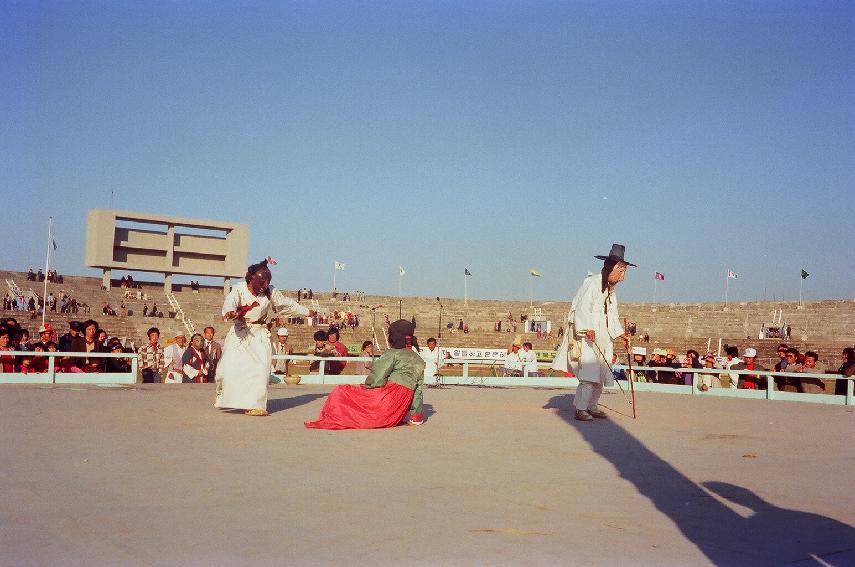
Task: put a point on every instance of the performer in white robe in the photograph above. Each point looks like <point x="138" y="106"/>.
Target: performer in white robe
<point x="244" y="370"/>
<point x="596" y="318"/>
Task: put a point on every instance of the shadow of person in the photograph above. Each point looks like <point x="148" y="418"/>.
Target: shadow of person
<point x="722" y="534"/>
<point x="802" y="536"/>
<point x="281" y="404"/>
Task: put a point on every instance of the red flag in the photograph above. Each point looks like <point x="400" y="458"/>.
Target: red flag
<point x="659" y="276"/>
<point x="271" y="261"/>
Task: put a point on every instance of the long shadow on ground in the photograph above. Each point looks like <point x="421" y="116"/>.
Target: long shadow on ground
<point x="282" y="404"/>
<point x="770" y="536"/>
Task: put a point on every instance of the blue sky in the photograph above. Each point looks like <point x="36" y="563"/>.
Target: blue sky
<point x="498" y="136"/>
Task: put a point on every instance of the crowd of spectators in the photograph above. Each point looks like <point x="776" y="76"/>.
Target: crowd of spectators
<point x="52" y="276"/>
<point x="790" y="360"/>
<point x="80" y="339"/>
<point x="34" y="304"/>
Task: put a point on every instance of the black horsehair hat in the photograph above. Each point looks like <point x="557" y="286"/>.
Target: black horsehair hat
<point x="616" y="255"/>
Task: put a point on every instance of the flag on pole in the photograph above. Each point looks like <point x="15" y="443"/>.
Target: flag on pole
<point x="659" y="276"/>
<point x="339" y="266"/>
<point x="466" y="272"/>
<point x="54" y="249"/>
<point x="271" y="261"/>
<point x="732" y="275"/>
<point x="804" y="274"/>
<point x="401" y="270"/>
<point x="534" y="273"/>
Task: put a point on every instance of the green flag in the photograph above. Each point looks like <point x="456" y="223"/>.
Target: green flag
<point x="804" y="274"/>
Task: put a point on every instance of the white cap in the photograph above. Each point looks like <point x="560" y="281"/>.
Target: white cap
<point x="749" y="353"/>
<point x="639" y="350"/>
<point x="282" y="332"/>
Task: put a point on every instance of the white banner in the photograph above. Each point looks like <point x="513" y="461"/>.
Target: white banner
<point x="467" y="353"/>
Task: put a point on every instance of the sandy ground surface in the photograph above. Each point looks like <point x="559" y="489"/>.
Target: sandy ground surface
<point x="154" y="475"/>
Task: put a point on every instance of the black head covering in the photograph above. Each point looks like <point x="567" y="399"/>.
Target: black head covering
<point x="399" y="331"/>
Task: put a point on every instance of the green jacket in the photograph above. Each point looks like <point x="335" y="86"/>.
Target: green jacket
<point x="401" y="366"/>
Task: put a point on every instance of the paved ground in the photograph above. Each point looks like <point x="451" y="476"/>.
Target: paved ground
<point x="153" y="475"/>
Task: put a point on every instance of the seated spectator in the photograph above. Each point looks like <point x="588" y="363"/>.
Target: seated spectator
<point x="7" y="361"/>
<point x="528" y="358"/>
<point x="639" y="358"/>
<point x="781" y="365"/>
<point x="336" y="366"/>
<point x="709" y="380"/>
<point x="751" y="381"/>
<point x="619" y="373"/>
<point x="122" y="365"/>
<point x="101" y="339"/>
<point x="811" y="385"/>
<point x="365" y="368"/>
<point x="786" y="383"/>
<point x="40" y="363"/>
<point x="513" y="365"/>
<point x="846" y="369"/>
<point x="733" y="363"/>
<point x="323" y="349"/>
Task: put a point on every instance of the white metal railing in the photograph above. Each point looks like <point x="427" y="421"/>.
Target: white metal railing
<point x="179" y="313"/>
<point x="467" y="378"/>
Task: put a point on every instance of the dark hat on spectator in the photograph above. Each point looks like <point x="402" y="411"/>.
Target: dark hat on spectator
<point x="321" y="335"/>
<point x="399" y="331"/>
<point x="616" y="255"/>
<point x="75" y="325"/>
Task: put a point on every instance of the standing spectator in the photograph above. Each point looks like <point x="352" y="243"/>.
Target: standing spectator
<point x="151" y="357"/>
<point x="460" y="325"/>
<point x="90" y="344"/>
<point x="72" y="334"/>
<point x="213" y="351"/>
<point x="639" y="359"/>
<point x="173" y="356"/>
<point x="280" y="366"/>
<point x="336" y="366"/>
<point x="194" y="366"/>
<point x="529" y="361"/>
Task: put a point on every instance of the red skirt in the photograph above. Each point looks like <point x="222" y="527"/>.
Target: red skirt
<point x="353" y="406"/>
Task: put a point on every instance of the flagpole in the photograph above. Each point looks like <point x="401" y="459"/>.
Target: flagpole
<point x="400" y="277"/>
<point x="726" y="287"/>
<point x="465" y="289"/>
<point x="334" y="270"/>
<point x="655" y="283"/>
<point x="530" y="291"/>
<point x="47" y="269"/>
<point x="801" y="284"/>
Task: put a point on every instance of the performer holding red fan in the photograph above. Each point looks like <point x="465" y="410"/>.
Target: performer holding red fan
<point x="244" y="370"/>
